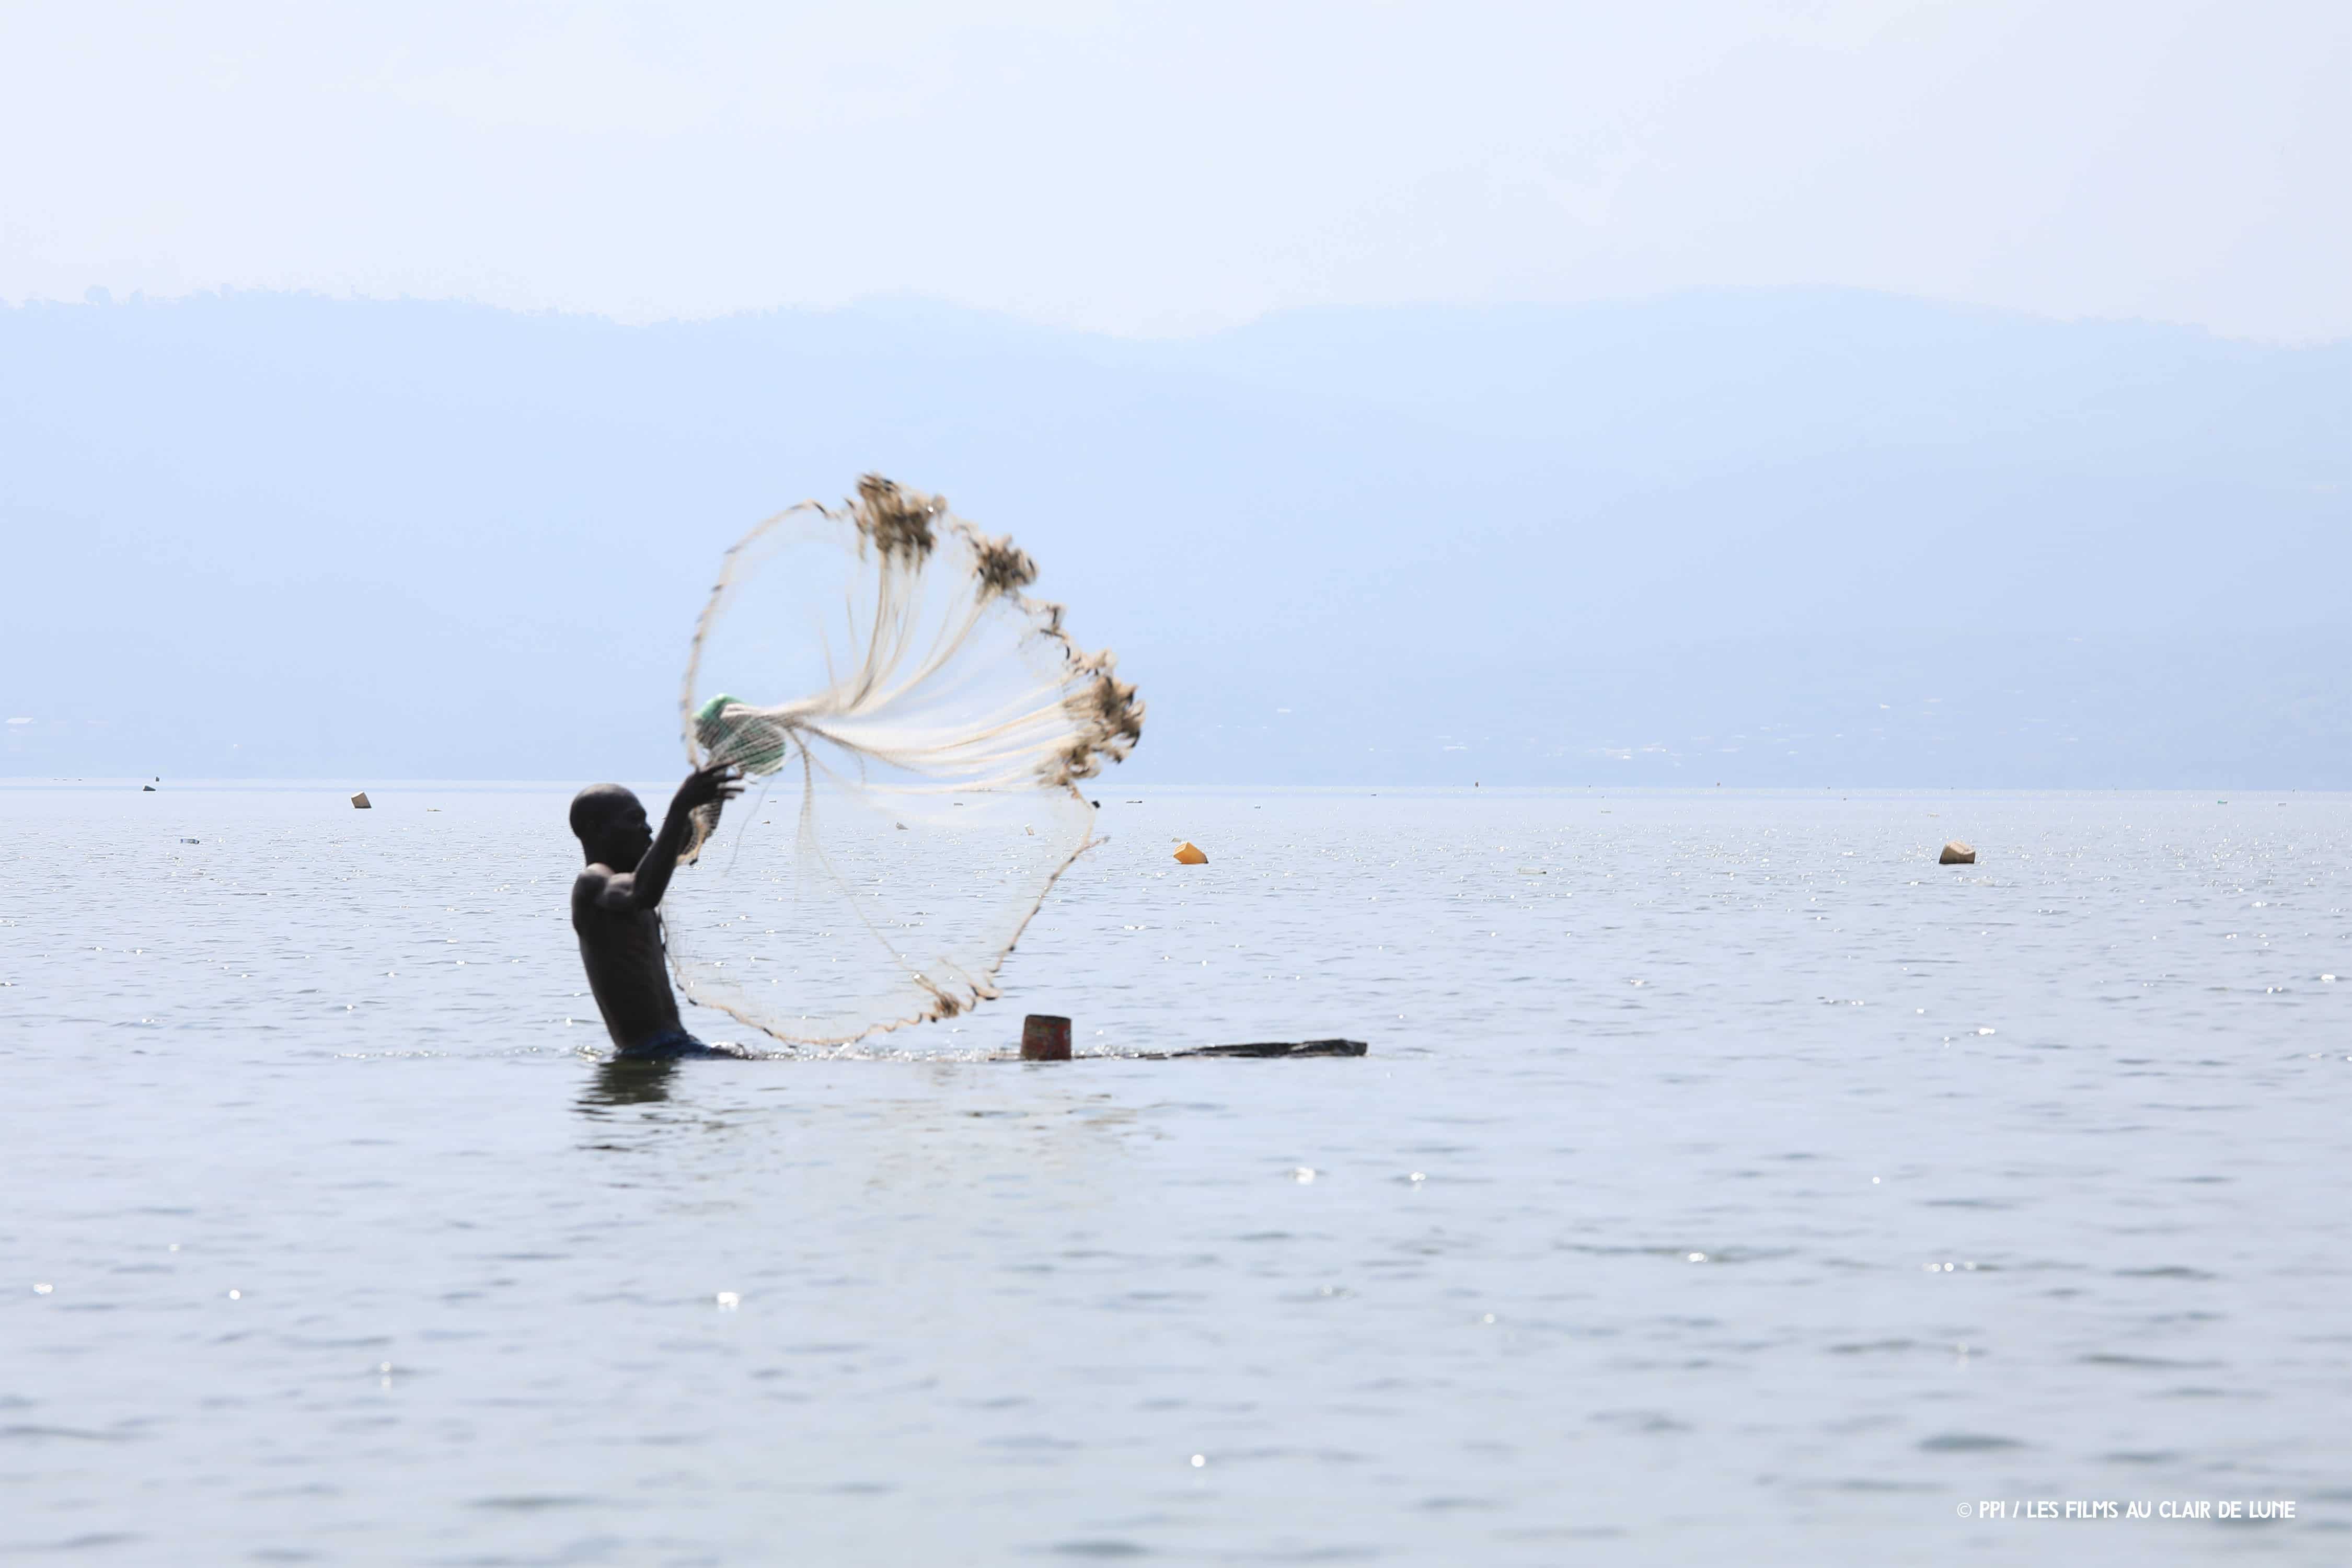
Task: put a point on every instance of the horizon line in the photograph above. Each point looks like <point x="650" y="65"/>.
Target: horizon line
<point x="98" y="296"/>
<point x="292" y="784"/>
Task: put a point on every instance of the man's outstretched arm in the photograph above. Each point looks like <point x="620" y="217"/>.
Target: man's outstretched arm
<point x="642" y="888"/>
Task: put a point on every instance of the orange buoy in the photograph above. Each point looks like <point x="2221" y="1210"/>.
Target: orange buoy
<point x="1189" y="854"/>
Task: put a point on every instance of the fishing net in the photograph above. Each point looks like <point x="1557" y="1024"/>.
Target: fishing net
<point x="912" y="728"/>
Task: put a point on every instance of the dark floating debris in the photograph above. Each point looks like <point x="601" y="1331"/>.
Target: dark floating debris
<point x="1956" y="854"/>
<point x="1045" y="1038"/>
<point x="1274" y="1049"/>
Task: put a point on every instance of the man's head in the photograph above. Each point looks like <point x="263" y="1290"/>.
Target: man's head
<point x="611" y="823"/>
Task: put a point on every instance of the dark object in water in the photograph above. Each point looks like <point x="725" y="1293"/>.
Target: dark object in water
<point x="1257" y="1049"/>
<point x="1045" y="1038"/>
<point x="1279" y="1048"/>
<point x="1956" y="854"/>
<point x="148" y="789"/>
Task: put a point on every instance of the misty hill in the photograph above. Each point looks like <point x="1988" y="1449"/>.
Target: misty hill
<point x="1784" y="537"/>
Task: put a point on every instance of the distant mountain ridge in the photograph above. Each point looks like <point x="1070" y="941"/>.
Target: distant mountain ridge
<point x="1759" y="537"/>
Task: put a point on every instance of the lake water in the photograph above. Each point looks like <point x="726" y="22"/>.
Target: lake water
<point x="1727" y="1182"/>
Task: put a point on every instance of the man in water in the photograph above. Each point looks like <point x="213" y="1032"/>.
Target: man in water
<point x="616" y="912"/>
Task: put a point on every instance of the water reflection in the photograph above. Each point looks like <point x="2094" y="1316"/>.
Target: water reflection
<point x="627" y="1082"/>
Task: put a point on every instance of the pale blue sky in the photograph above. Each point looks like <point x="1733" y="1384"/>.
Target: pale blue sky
<point x="1166" y="169"/>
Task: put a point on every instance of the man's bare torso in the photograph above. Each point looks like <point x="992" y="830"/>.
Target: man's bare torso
<point x="623" y="950"/>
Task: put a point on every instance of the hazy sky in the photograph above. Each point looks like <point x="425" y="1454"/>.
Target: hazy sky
<point x="1153" y="169"/>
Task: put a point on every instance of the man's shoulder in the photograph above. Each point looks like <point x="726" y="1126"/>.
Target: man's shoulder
<point x="601" y="891"/>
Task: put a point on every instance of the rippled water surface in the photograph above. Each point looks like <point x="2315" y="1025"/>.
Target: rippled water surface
<point x="1727" y="1182"/>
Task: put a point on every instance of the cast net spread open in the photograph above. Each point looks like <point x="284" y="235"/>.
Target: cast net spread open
<point x="913" y="728"/>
